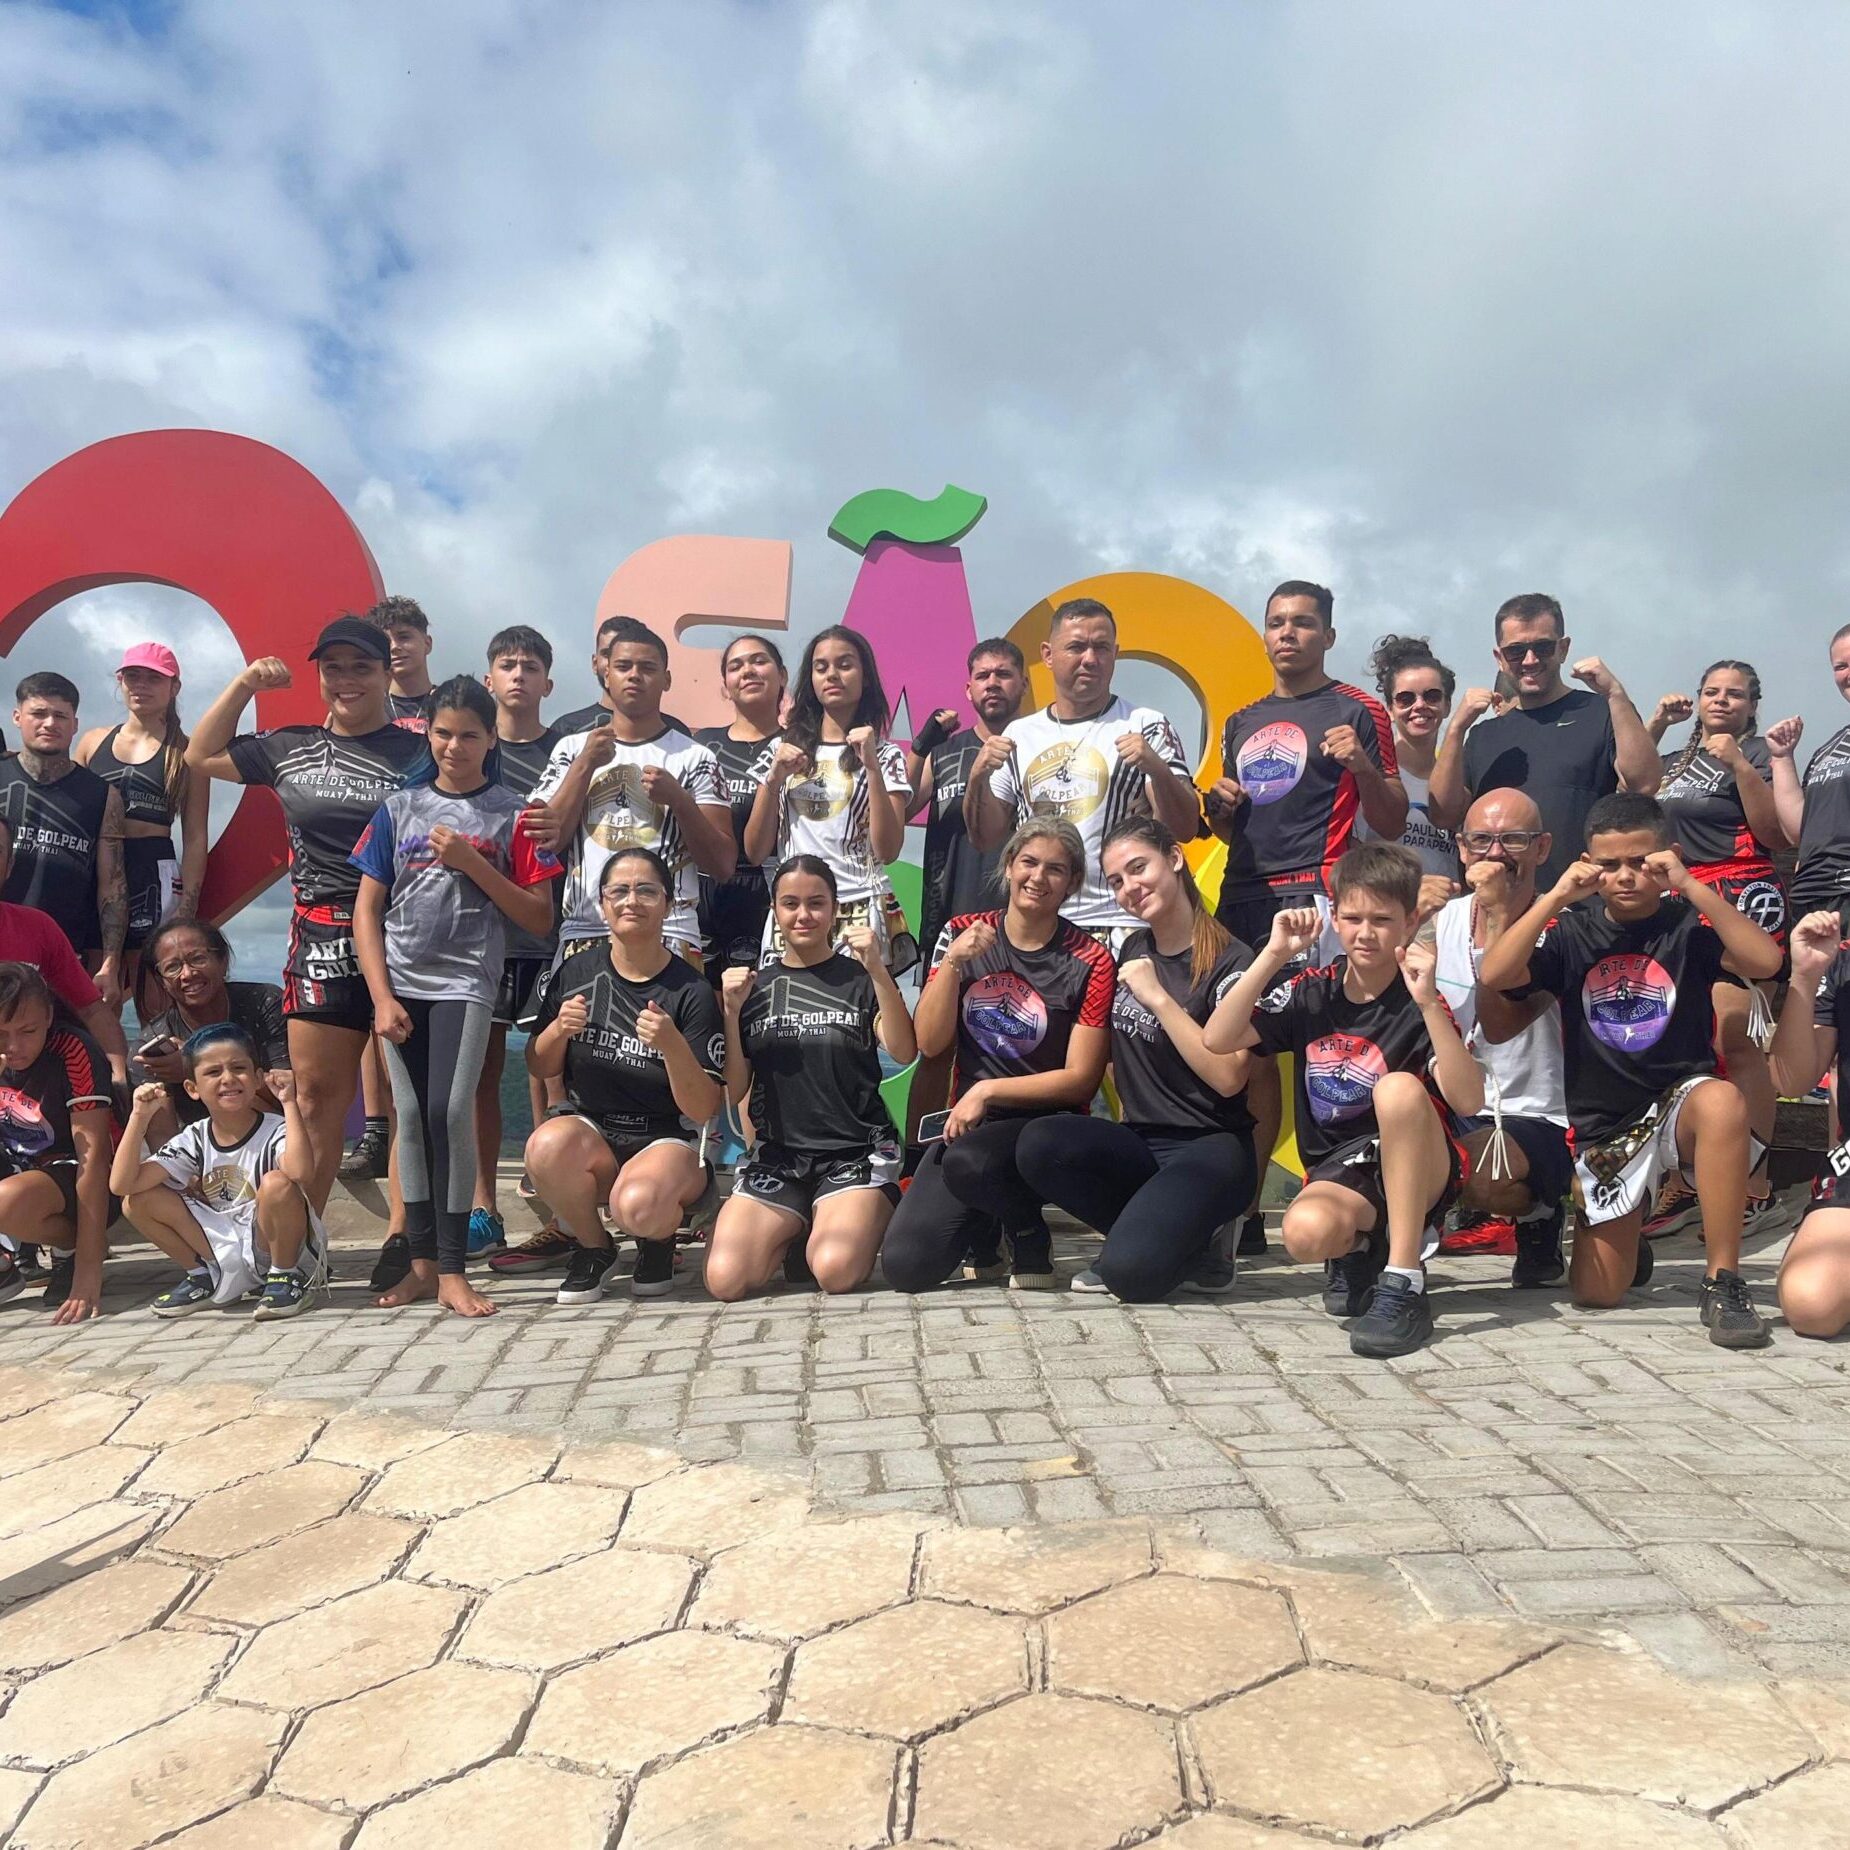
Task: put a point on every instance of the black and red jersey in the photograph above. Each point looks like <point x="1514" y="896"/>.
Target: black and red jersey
<point x="1344" y="1049"/>
<point x="37" y="1102"/>
<point x="1301" y="809"/>
<point x="1703" y="804"/>
<point x="1017" y="1009"/>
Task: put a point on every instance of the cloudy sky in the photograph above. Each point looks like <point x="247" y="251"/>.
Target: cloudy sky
<point x="1433" y="302"/>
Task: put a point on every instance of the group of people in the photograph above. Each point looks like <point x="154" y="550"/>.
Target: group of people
<point x="1524" y="961"/>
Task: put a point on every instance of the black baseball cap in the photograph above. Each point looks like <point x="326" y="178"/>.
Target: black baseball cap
<point x="357" y="632"/>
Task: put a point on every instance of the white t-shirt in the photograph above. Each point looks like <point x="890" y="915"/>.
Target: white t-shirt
<point x="1424" y="836"/>
<point x="1527" y="1073"/>
<point x="1071" y="769"/>
<point x="618" y="815"/>
<point x="219" y="1186"/>
<point x="826" y="814"/>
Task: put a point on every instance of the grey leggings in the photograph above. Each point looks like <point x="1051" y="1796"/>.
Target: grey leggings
<point x="434" y="1076"/>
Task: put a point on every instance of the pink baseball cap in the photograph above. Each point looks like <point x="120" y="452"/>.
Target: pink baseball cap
<point x="155" y="655"/>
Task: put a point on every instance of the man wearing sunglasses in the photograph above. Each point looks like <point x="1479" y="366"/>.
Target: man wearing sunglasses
<point x="1565" y="747"/>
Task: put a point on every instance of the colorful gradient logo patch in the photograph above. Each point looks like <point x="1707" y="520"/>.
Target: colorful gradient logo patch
<point x="1628" y="998"/>
<point x="1271" y="761"/>
<point x="1004" y="1015"/>
<point x="1341" y="1072"/>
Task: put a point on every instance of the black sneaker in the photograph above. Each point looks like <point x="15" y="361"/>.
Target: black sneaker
<point x="985" y="1265"/>
<point x="796" y="1264"/>
<point x="583" y="1282"/>
<point x="62" y="1277"/>
<point x="1252" y="1235"/>
<point x="1211" y="1276"/>
<point x="367" y="1162"/>
<point x="12" y="1280"/>
<point x="393" y="1264"/>
<point x="286" y="1293"/>
<point x="654" y="1274"/>
<point x="1538" y="1250"/>
<point x="1647" y="1263"/>
<point x="31" y="1265"/>
<point x="1349" y="1282"/>
<point x="1031" y="1261"/>
<point x="1398" y="1321"/>
<point x="193" y="1292"/>
<point x="1729" y="1313"/>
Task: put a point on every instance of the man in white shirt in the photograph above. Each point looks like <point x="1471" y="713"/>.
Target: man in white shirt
<point x="1521" y="1168"/>
<point x="1089" y="756"/>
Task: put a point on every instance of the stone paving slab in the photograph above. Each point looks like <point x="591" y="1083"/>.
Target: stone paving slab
<point x="1536" y="1461"/>
<point x="707" y="1658"/>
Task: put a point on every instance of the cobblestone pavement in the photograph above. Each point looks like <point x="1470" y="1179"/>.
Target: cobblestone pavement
<point x="1535" y="1461"/>
<point x="233" y="1622"/>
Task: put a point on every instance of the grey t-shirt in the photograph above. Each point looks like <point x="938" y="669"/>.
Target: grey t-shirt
<point x="444" y="937"/>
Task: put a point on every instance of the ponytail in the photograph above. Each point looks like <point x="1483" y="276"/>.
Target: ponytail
<point x="1209" y="938"/>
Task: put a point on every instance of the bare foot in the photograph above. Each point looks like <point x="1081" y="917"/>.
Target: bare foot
<point x="457" y="1294"/>
<point x="419" y="1282"/>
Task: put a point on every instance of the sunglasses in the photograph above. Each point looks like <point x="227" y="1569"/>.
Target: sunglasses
<point x="1516" y="653"/>
<point x="1420" y="697"/>
<point x="1481" y="841"/>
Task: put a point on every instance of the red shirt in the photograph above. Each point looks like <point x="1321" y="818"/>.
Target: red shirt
<point x="29" y="936"/>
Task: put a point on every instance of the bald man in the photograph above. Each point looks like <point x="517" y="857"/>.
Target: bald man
<point x="1521" y="1170"/>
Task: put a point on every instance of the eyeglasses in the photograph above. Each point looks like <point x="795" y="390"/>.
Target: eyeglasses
<point x="1481" y="841"/>
<point x="646" y="891"/>
<point x="1420" y="697"/>
<point x="189" y="960"/>
<point x="1545" y="649"/>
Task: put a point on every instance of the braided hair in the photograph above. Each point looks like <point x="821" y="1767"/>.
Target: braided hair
<point x="1692" y="748"/>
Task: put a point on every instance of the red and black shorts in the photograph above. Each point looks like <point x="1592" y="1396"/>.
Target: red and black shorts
<point x="1356" y="1166"/>
<point x="321" y="972"/>
<point x="1753" y="889"/>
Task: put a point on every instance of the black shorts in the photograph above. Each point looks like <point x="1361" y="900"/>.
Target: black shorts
<point x="1356" y="1166"/>
<point x="148" y="866"/>
<point x="1832" y="1187"/>
<point x="732" y="916"/>
<point x="1545" y="1149"/>
<point x="321" y="971"/>
<point x="625" y="1139"/>
<point x="795" y="1182"/>
<point x="517" y="999"/>
<point x="1250" y="918"/>
<point x="64" y="1173"/>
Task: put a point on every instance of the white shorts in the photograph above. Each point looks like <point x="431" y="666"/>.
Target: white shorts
<point x="240" y="1261"/>
<point x="1620" y="1176"/>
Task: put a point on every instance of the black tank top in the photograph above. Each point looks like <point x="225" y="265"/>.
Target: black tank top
<point x="56" y="828"/>
<point x="143" y="786"/>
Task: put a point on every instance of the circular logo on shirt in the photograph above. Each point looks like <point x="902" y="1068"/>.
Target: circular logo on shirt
<point x="1763" y="901"/>
<point x="1004" y="1015"/>
<point x="1340" y="1075"/>
<point x="1270" y="763"/>
<point x="623" y="817"/>
<point x="1627" y="998"/>
<point x="1067" y="781"/>
<point x="23" y="1130"/>
<point x="225" y="1188"/>
<point x="824" y="792"/>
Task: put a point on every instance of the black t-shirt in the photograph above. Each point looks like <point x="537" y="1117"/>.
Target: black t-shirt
<point x="1563" y="755"/>
<point x="736" y="758"/>
<point x="1704" y="806"/>
<point x="329" y="786"/>
<point x="411" y="711"/>
<point x="1302" y="806"/>
<point x="1344" y="1049"/>
<point x="957" y="877"/>
<point x="1831" y="1009"/>
<point x="56" y="829"/>
<point x="1823" y="878"/>
<point x="1636" y="1013"/>
<point x="809" y="1035"/>
<point x="36" y="1102"/>
<point x="1016" y="1009"/>
<point x="1157" y="1088"/>
<point x="257" y="1008"/>
<point x="611" y="1073"/>
<point x="582" y="719"/>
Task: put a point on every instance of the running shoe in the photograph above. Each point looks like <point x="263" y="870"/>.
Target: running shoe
<point x="193" y="1292"/>
<point x="1480" y="1233"/>
<point x="1087" y="1281"/>
<point x="583" y="1282"/>
<point x="367" y="1160"/>
<point x="1765" y="1214"/>
<point x="986" y="1266"/>
<point x="1729" y="1314"/>
<point x="393" y="1265"/>
<point x="487" y="1233"/>
<point x="62" y="1277"/>
<point x="1349" y="1282"/>
<point x="12" y="1280"/>
<point x="31" y="1265"/>
<point x="544" y="1251"/>
<point x="1031" y="1266"/>
<point x="654" y="1274"/>
<point x="1252" y="1235"/>
<point x="1538" y="1250"/>
<point x="1397" y="1322"/>
<point x="1211" y="1276"/>
<point x="1676" y="1207"/>
<point x="286" y="1293"/>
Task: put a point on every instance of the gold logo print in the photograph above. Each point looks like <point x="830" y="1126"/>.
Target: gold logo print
<point x="825" y="791"/>
<point x="224" y="1188"/>
<point x="622" y="817"/>
<point x="1067" y="781"/>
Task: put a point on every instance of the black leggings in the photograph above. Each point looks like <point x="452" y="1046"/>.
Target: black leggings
<point x="1156" y="1196"/>
<point x="434" y="1077"/>
<point x="964" y="1196"/>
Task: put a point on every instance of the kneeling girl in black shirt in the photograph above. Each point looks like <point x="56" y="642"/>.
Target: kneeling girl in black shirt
<point x="1162" y="1186"/>
<point x="1025" y="997"/>
<point x="635" y="1031"/>
<point x="801" y="1036"/>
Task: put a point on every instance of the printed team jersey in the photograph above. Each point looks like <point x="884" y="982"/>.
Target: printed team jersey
<point x="1636" y="1013"/>
<point x="1823" y="878"/>
<point x="1071" y="769"/>
<point x="1703" y="804"/>
<point x="523" y="761"/>
<point x="1302" y="806"/>
<point x="1344" y="1048"/>
<point x="611" y="1073"/>
<point x="809" y="1035"/>
<point x="56" y="828"/>
<point x="1017" y="1009"/>
<point x="827" y="814"/>
<point x="737" y="760"/>
<point x="37" y="1102"/>
<point x="957" y="877"/>
<point x="1157" y="1088"/>
<point x="445" y="939"/>
<point x="329" y="785"/>
<point x="617" y="815"/>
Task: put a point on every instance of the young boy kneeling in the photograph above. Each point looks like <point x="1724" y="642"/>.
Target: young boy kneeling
<point x="1378" y="1063"/>
<point x="1622" y="941"/>
<point x="226" y="1198"/>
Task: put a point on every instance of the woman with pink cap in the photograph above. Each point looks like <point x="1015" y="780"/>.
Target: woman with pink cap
<point x="145" y="759"/>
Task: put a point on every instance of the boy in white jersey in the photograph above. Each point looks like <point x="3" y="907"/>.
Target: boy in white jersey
<point x="1089" y="757"/>
<point x="226" y="1198"/>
